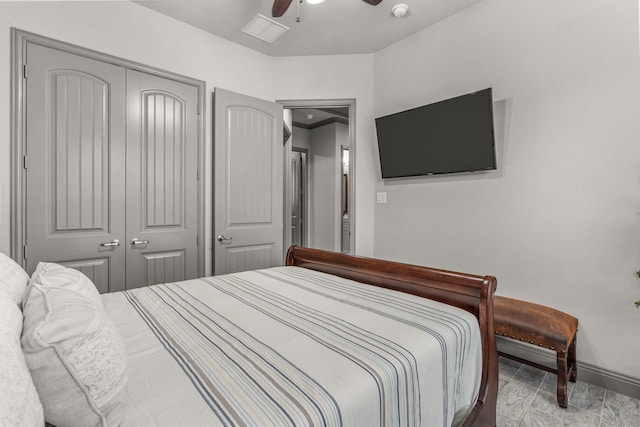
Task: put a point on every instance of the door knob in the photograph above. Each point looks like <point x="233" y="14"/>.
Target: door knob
<point x="137" y="242"/>
<point x="112" y="244"/>
<point x="223" y="238"/>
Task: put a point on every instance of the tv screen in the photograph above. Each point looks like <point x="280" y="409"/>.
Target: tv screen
<point x="455" y="135"/>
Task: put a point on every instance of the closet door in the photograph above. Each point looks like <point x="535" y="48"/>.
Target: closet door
<point x="162" y="180"/>
<point x="75" y="165"/>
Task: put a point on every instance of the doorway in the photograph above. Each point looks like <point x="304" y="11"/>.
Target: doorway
<point x="324" y="129"/>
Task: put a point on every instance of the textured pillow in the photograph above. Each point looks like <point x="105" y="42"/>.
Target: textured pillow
<point x="53" y="275"/>
<point x="76" y="358"/>
<point x="13" y="279"/>
<point x="19" y="402"/>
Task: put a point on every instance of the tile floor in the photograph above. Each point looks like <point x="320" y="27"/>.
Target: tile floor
<point x="527" y="397"/>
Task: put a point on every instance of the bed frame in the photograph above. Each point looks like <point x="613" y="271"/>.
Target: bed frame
<point x="469" y="292"/>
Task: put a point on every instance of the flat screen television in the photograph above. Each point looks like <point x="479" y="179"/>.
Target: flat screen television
<point x="450" y="136"/>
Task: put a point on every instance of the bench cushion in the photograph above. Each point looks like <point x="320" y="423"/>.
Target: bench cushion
<point x="533" y="323"/>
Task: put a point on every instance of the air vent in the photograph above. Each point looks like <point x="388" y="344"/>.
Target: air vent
<point x="265" y="29"/>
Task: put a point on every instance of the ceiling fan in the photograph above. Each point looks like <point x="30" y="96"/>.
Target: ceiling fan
<point x="281" y="6"/>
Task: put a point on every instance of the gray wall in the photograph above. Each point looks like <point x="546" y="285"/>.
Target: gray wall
<point x="558" y="223"/>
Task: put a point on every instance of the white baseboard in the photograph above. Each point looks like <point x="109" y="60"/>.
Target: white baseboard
<point x="587" y="372"/>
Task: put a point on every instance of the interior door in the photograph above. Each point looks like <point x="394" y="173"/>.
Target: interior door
<point x="162" y="176"/>
<point x="248" y="187"/>
<point x="75" y="165"/>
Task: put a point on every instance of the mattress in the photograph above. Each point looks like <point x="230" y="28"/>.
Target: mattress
<point x="289" y="346"/>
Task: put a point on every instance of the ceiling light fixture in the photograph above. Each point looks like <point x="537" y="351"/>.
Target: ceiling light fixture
<point x="299" y="2"/>
<point x="399" y="10"/>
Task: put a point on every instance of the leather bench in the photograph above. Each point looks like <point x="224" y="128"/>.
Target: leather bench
<point x="544" y="327"/>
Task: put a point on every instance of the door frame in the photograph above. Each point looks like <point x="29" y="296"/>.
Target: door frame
<point x="349" y="103"/>
<point x="344" y="203"/>
<point x="19" y="40"/>
<point x="304" y="201"/>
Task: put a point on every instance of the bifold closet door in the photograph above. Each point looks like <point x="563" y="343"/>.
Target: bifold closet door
<point x="162" y="168"/>
<point x="75" y="164"/>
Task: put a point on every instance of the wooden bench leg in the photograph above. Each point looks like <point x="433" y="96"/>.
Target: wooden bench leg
<point x="573" y="366"/>
<point x="563" y="375"/>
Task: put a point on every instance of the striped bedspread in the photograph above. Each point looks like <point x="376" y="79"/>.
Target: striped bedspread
<point x="293" y="347"/>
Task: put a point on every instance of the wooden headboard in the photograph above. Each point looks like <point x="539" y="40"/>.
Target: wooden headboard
<point x="467" y="291"/>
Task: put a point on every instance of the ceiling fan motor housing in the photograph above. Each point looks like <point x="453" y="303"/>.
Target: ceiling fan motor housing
<point x="281" y="6"/>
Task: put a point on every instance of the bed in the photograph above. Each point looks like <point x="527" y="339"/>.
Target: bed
<point x="308" y="344"/>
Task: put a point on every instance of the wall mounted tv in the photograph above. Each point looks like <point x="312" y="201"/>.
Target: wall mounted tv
<point x="454" y="135"/>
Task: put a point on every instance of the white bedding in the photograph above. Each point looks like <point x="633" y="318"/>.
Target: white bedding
<point x="291" y="346"/>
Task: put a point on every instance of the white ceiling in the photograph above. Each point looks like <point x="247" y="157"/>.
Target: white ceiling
<point x="310" y="118"/>
<point x="332" y="27"/>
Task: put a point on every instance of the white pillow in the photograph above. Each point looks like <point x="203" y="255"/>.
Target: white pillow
<point x="76" y="358"/>
<point x="13" y="279"/>
<point x="19" y="402"/>
<point x="49" y="274"/>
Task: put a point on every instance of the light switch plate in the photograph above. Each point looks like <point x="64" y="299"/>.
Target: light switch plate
<point x="381" y="197"/>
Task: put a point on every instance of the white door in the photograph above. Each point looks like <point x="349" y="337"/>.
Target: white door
<point x="248" y="183"/>
<point x="75" y="165"/>
<point x="162" y="176"/>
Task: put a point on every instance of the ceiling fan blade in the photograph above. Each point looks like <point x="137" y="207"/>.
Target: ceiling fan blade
<point x="280" y="7"/>
<point x="373" y="2"/>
